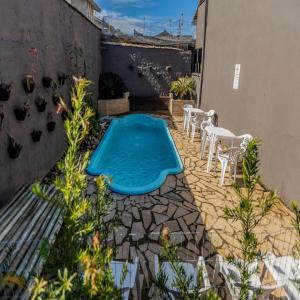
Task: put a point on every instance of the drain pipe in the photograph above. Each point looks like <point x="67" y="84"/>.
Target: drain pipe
<point x="203" y="55"/>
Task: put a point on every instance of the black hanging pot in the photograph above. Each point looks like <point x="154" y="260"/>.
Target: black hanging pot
<point x="64" y="115"/>
<point x="13" y="148"/>
<point x="62" y="77"/>
<point x="46" y="82"/>
<point x="51" y="126"/>
<point x="28" y="84"/>
<point x="41" y="104"/>
<point x="56" y="99"/>
<point x="130" y="67"/>
<point x="140" y="74"/>
<point x="36" y="135"/>
<point x="21" y="112"/>
<point x="5" y="90"/>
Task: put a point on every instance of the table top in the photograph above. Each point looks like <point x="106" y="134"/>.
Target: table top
<point x="193" y="109"/>
<point x="220" y="131"/>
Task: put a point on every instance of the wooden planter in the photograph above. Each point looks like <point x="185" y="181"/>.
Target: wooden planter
<point x="114" y="106"/>
<point x="176" y="106"/>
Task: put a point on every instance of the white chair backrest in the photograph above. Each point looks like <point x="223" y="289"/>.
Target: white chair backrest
<point x="246" y="139"/>
<point x="187" y="106"/>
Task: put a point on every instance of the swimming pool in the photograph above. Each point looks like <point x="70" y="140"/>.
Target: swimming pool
<point x="138" y="153"/>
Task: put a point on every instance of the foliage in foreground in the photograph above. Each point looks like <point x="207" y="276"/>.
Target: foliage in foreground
<point x="182" y="281"/>
<point x="77" y="265"/>
<point x="183" y="87"/>
<point x="249" y="215"/>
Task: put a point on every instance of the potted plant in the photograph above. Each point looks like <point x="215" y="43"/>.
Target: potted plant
<point x="112" y="99"/>
<point x="13" y="148"/>
<point x="46" y="82"/>
<point x="50" y="123"/>
<point x="56" y="99"/>
<point x="183" y="89"/>
<point x="62" y="77"/>
<point x="140" y="74"/>
<point x="21" y="111"/>
<point x="168" y="68"/>
<point x="36" y="135"/>
<point x="41" y="104"/>
<point x="28" y="84"/>
<point x="130" y="67"/>
<point x="5" y="90"/>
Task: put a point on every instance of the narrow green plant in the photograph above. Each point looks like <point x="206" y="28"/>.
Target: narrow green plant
<point x="182" y="282"/>
<point x="249" y="213"/>
<point x="183" y="87"/>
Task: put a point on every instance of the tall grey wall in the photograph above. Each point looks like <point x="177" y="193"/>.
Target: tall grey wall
<point x="262" y="36"/>
<point x="53" y="28"/>
<point x="152" y="62"/>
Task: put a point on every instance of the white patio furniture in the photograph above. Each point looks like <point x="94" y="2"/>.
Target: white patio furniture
<point x="189" y="112"/>
<point x="190" y="271"/>
<point x="198" y="121"/>
<point x="285" y="269"/>
<point x="186" y="108"/>
<point x="231" y="156"/>
<point x="232" y="278"/>
<point x="131" y="279"/>
<point x="214" y="134"/>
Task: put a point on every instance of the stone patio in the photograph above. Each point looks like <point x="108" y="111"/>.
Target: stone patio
<point x="191" y="204"/>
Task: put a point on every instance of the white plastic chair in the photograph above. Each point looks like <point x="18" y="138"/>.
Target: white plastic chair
<point x="190" y="271"/>
<point x="285" y="269"/>
<point x="132" y="277"/>
<point x="232" y="278"/>
<point x="195" y="124"/>
<point x="205" y="137"/>
<point x="231" y="156"/>
<point x="186" y="114"/>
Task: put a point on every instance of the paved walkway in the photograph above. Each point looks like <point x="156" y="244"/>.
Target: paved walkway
<point x="191" y="204"/>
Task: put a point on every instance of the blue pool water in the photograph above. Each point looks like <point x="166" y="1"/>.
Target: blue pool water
<point x="137" y="152"/>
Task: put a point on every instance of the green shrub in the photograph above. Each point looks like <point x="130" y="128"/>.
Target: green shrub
<point x="183" y="87"/>
<point x="111" y="86"/>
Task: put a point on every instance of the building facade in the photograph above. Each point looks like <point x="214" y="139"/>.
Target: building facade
<point x="250" y="73"/>
<point x="86" y="7"/>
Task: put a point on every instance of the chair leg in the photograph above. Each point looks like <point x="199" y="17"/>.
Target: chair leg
<point x="193" y="133"/>
<point x="223" y="171"/>
<point x="203" y="145"/>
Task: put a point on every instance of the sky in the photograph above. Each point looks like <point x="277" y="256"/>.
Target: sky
<point x="149" y="16"/>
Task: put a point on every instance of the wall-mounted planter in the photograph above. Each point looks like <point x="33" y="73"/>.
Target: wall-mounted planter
<point x="36" y="135"/>
<point x="21" y="111"/>
<point x="158" y="74"/>
<point x="51" y="126"/>
<point x="62" y="77"/>
<point x="5" y="90"/>
<point x="168" y="68"/>
<point x="56" y="99"/>
<point x="46" y="81"/>
<point x="13" y="148"/>
<point x="41" y="104"/>
<point x="28" y="84"/>
<point x="140" y="74"/>
<point x="130" y="67"/>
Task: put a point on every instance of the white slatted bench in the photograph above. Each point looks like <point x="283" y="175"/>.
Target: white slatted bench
<point x="24" y="224"/>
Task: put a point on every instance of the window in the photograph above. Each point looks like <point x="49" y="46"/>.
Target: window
<point x="197" y="60"/>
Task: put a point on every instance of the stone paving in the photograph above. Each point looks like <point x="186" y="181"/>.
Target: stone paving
<point x="191" y="204"/>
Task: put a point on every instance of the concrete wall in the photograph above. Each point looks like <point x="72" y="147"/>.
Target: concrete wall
<point x="262" y="36"/>
<point x="53" y="28"/>
<point x="155" y="81"/>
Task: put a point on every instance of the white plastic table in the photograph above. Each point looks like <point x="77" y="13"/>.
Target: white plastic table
<point x="216" y="133"/>
<point x="190" y="111"/>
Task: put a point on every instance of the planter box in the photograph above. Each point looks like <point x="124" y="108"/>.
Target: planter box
<point x="176" y="106"/>
<point x="114" y="106"/>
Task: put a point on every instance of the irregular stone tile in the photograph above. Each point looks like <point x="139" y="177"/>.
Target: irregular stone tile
<point x="147" y="218"/>
<point x="181" y="212"/>
<point x="169" y="185"/>
<point x="120" y="205"/>
<point x="127" y="219"/>
<point x="123" y="251"/>
<point x="173" y="225"/>
<point x="177" y="238"/>
<point x="192" y="247"/>
<point x="109" y="217"/>
<point x="91" y="189"/>
<point x="143" y="264"/>
<point x="187" y="195"/>
<point x="143" y="247"/>
<point x="185" y="229"/>
<point x="155" y="234"/>
<point x="174" y="197"/>
<point x="120" y="234"/>
<point x="171" y="209"/>
<point x="137" y="231"/>
<point x="159" y="209"/>
<point x="136" y="213"/>
<point x="133" y="253"/>
<point x="191" y="218"/>
<point x="159" y="218"/>
<point x="155" y="248"/>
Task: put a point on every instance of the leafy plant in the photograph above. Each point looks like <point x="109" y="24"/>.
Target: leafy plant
<point x="111" y="86"/>
<point x="5" y="90"/>
<point x="183" y="87"/>
<point x="14" y="148"/>
<point x="249" y="215"/>
<point x="182" y="282"/>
